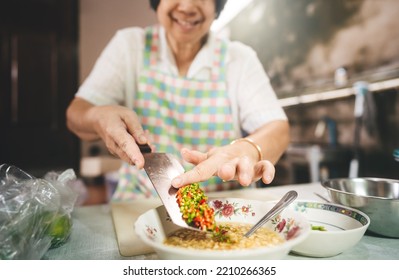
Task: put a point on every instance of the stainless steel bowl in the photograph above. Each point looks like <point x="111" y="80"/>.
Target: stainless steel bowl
<point x="376" y="197"/>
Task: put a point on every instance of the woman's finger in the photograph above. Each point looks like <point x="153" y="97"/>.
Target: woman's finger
<point x="245" y="171"/>
<point x="264" y="169"/>
<point x="199" y="173"/>
<point x="116" y="151"/>
<point x="133" y="126"/>
<point x="129" y="147"/>
<point x="192" y="156"/>
<point x="120" y="143"/>
<point x="228" y="170"/>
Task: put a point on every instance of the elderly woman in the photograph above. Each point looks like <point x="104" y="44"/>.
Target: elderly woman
<point x="179" y="87"/>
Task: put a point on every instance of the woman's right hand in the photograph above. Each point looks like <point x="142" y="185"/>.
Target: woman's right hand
<point x="118" y="126"/>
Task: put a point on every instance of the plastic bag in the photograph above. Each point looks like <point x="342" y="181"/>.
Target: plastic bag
<point x="35" y="213"/>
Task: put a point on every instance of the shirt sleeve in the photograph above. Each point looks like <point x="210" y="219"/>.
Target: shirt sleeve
<point x="112" y="78"/>
<point x="256" y="101"/>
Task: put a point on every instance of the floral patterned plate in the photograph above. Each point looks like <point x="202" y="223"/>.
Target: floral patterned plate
<point x="154" y="225"/>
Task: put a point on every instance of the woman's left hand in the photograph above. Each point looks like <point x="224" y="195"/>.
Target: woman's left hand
<point x="228" y="163"/>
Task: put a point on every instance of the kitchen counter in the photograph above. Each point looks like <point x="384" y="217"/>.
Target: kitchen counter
<point x="93" y="235"/>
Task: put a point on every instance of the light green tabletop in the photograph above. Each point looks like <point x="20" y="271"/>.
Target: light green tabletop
<point x="93" y="237"/>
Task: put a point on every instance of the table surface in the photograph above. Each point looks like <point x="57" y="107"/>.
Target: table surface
<point x="93" y="234"/>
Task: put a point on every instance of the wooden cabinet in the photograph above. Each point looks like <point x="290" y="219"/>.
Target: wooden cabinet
<point x="38" y="78"/>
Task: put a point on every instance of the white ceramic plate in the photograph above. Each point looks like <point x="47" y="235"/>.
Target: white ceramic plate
<point x="154" y="225"/>
<point x="344" y="228"/>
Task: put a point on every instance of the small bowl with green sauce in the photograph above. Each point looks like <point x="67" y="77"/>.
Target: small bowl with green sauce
<point x="334" y="228"/>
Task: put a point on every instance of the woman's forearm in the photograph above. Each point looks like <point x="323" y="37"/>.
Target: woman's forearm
<point x="78" y="121"/>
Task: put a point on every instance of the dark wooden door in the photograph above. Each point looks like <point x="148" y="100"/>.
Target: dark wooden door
<point x="38" y="48"/>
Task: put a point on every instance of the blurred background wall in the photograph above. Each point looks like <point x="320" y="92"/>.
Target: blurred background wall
<point x="99" y="20"/>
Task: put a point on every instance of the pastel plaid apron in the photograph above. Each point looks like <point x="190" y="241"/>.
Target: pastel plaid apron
<point x="179" y="112"/>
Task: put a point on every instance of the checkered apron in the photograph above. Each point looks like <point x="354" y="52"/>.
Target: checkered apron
<point x="179" y="112"/>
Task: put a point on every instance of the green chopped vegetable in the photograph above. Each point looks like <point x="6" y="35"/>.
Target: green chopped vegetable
<point x="319" y="228"/>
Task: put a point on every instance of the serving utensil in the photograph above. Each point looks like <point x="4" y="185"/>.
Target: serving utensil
<point x="280" y="206"/>
<point x="162" y="168"/>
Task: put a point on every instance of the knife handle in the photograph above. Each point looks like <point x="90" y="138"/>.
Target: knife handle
<point x="144" y="148"/>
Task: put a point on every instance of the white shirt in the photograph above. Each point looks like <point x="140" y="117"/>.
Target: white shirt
<point x="114" y="78"/>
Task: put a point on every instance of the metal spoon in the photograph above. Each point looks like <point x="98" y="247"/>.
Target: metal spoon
<point x="280" y="206"/>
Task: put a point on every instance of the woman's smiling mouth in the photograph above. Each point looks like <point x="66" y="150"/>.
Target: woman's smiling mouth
<point x="186" y="24"/>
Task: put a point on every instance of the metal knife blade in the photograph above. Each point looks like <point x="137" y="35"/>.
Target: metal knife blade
<point x="162" y="168"/>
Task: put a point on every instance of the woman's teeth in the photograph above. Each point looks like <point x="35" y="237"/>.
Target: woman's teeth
<point x="186" y="23"/>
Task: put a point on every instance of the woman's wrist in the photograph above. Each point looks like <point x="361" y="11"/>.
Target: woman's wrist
<point x="252" y="143"/>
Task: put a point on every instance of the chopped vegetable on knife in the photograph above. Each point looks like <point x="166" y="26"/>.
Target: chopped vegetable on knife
<point x="194" y="207"/>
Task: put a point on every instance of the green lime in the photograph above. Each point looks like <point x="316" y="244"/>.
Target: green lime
<point x="60" y="230"/>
